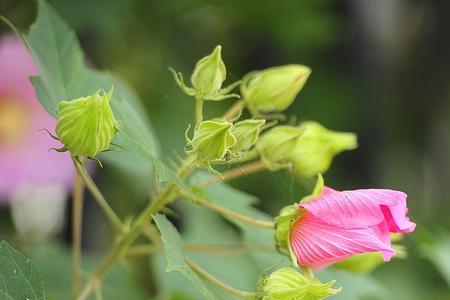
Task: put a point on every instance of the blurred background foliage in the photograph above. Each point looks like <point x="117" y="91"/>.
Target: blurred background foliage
<point x="380" y="69"/>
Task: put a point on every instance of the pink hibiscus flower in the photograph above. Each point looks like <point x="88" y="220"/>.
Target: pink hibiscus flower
<point x="24" y="157"/>
<point x="337" y="225"/>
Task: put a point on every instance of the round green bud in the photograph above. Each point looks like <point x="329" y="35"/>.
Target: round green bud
<point x="212" y="140"/>
<point x="209" y="74"/>
<point x="277" y="145"/>
<point x="273" y="89"/>
<point x="288" y="284"/>
<point x="317" y="147"/>
<point x="86" y="126"/>
<point x="246" y="133"/>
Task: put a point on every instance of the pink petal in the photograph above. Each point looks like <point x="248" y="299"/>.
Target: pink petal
<point x="317" y="244"/>
<point x="359" y="208"/>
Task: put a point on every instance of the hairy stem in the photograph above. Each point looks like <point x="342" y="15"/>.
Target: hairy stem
<point x="237" y="172"/>
<point x="232" y="214"/>
<point x="77" y="222"/>
<point x="90" y="184"/>
<point x="219" y="283"/>
<point x="198" y="110"/>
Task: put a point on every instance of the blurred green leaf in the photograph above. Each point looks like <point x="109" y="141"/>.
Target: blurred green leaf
<point x="176" y="260"/>
<point x="20" y="278"/>
<point x="439" y="254"/>
<point x="57" y="273"/>
<point x="64" y="76"/>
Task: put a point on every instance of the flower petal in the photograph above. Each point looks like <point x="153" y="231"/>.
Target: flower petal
<point x="317" y="244"/>
<point x="358" y="208"/>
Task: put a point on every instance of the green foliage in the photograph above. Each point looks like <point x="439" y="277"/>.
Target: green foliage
<point x="20" y="279"/>
<point x="176" y="259"/>
<point x="64" y="75"/>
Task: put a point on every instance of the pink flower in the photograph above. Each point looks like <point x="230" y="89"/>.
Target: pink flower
<point x="337" y="225"/>
<point x="24" y="156"/>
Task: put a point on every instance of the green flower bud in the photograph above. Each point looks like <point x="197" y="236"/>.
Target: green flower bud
<point x="209" y="74"/>
<point x="246" y="133"/>
<point x="212" y="140"/>
<point x="317" y="146"/>
<point x="283" y="224"/>
<point x="273" y="89"/>
<point x="86" y="126"/>
<point x="276" y="146"/>
<point x="288" y="284"/>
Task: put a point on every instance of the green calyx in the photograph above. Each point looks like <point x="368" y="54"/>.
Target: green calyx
<point x="283" y="224"/>
<point x="207" y="78"/>
<point x="246" y="133"/>
<point x="212" y="141"/>
<point x="288" y="284"/>
<point x="86" y="126"/>
<point x="273" y="89"/>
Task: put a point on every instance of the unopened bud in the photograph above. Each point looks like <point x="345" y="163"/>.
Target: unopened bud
<point x="207" y="78"/>
<point x="246" y="133"/>
<point x="288" y="284"/>
<point x="86" y="126"/>
<point x="317" y="147"/>
<point x="212" y="140"/>
<point x="276" y="147"/>
<point x="273" y="89"/>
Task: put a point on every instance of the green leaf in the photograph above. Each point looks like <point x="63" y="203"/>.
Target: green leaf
<point x="65" y="76"/>
<point x="176" y="260"/>
<point x="19" y="277"/>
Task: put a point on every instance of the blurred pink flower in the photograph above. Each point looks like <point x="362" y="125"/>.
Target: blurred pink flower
<point x="337" y="225"/>
<point x="24" y="151"/>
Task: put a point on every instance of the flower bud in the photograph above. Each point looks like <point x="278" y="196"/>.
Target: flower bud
<point x="276" y="147"/>
<point x="86" y="126"/>
<point x="288" y="284"/>
<point x="246" y="133"/>
<point x="317" y="146"/>
<point x="212" y="140"/>
<point x="209" y="74"/>
<point x="207" y="78"/>
<point x="273" y="89"/>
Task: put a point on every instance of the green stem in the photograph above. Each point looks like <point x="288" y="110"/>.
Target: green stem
<point x="127" y="238"/>
<point x="77" y="222"/>
<point x="237" y="172"/>
<point x="198" y="110"/>
<point x="234" y="110"/>
<point x="90" y="184"/>
<point x="308" y="272"/>
<point x="219" y="283"/>
<point x="232" y="214"/>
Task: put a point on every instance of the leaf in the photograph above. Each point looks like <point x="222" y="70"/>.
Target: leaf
<point x="65" y="76"/>
<point x="118" y="284"/>
<point x="176" y="260"/>
<point x="19" y="277"/>
<point x="438" y="253"/>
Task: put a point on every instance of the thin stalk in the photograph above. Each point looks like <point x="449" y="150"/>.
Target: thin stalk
<point x="232" y="214"/>
<point x="237" y="172"/>
<point x="233" y="111"/>
<point x="77" y="223"/>
<point x="120" y="248"/>
<point x="90" y="184"/>
<point x="218" y="282"/>
<point x="308" y="272"/>
<point x="198" y="110"/>
<point x="203" y="248"/>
